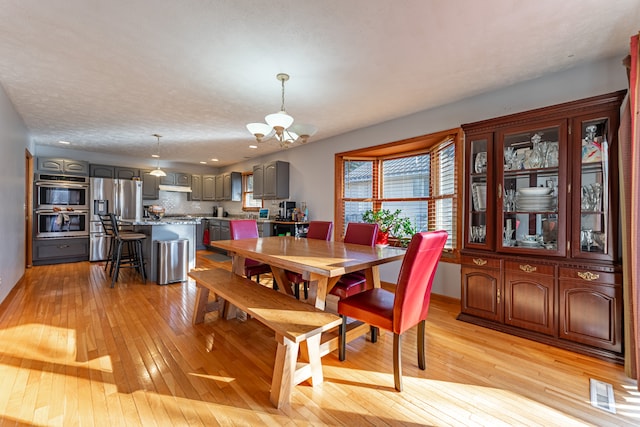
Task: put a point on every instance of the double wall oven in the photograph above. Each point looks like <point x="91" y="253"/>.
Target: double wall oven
<point x="61" y="206"/>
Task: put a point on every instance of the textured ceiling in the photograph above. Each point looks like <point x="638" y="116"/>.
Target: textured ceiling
<point x="106" y="74"/>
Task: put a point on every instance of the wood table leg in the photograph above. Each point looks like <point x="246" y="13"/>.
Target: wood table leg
<point x="283" y="372"/>
<point x="280" y="277"/>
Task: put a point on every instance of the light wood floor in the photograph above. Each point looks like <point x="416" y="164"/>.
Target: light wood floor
<point x="75" y="352"/>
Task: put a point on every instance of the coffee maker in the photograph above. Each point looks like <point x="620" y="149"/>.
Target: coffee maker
<point x="286" y="209"/>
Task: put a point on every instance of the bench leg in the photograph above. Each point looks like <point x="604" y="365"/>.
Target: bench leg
<point x="202" y="297"/>
<point x="283" y="372"/>
<point x="310" y="351"/>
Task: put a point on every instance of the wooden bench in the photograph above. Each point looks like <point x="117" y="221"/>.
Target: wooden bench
<point x="296" y="324"/>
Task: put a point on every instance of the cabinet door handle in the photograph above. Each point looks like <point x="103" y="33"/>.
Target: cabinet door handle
<point x="499" y="191"/>
<point x="62" y="246"/>
<point x="498" y="293"/>
<point x="479" y="261"/>
<point x="588" y="276"/>
<point x="527" y="268"/>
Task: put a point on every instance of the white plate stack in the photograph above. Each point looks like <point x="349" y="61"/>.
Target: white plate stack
<point x="534" y="199"/>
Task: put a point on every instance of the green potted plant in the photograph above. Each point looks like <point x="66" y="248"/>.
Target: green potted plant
<point x="390" y="224"/>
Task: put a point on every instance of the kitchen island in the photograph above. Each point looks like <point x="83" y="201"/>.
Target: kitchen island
<point x="165" y="229"/>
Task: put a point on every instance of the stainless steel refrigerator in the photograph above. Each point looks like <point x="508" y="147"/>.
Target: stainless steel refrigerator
<point x="121" y="197"/>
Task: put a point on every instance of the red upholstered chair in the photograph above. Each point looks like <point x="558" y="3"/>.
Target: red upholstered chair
<point x="248" y="229"/>
<point x="360" y="234"/>
<point x="320" y="230"/>
<point x="407" y="308"/>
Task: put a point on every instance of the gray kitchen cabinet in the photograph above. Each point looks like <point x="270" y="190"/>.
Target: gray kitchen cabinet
<point x="56" y="251"/>
<point x="271" y="180"/>
<point x="150" y="183"/>
<point x="73" y="167"/>
<point x="275" y="184"/>
<point x="219" y="187"/>
<point x="126" y="173"/>
<point x="117" y="172"/>
<point x="208" y="187"/>
<point x="168" y="179"/>
<point x="232" y="186"/>
<point x="225" y="232"/>
<point x="102" y="171"/>
<point x="258" y="179"/>
<point x="176" y="178"/>
<point x="196" y="188"/>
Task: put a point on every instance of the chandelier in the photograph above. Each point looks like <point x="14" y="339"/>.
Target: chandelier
<point x="280" y="125"/>
<point x="158" y="171"/>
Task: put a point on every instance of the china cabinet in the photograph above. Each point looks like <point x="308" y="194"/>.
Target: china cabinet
<point x="541" y="257"/>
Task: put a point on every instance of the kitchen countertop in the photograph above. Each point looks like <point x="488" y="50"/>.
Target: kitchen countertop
<point x="189" y="219"/>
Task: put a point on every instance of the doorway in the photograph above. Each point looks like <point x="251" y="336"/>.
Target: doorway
<point x="28" y="208"/>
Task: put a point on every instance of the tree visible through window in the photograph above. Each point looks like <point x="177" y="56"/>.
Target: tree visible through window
<point x="417" y="176"/>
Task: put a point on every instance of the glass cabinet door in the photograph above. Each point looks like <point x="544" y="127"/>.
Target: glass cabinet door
<point x="480" y="200"/>
<point x="592" y="189"/>
<point x="531" y="182"/>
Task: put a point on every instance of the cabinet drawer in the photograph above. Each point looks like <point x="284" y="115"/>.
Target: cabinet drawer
<point x="587" y="275"/>
<point x="525" y="266"/>
<point x="480" y="261"/>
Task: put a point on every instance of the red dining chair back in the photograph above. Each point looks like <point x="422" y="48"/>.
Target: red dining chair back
<point x="320" y="230"/>
<point x="361" y="233"/>
<point x="243" y="229"/>
<point x="248" y="229"/>
<point x="358" y="233"/>
<point x="407" y="308"/>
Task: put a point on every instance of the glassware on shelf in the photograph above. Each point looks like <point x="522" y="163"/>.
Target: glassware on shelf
<point x="510" y="200"/>
<point x="591" y="200"/>
<point x="478" y="233"/>
<point x="510" y="158"/>
<point x="591" y="149"/>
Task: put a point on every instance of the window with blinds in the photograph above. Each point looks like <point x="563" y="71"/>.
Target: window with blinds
<point x="422" y="183"/>
<point x="248" y="202"/>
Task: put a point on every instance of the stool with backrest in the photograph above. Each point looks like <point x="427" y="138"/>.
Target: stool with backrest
<point x="320" y="230"/>
<point x="125" y="249"/>
<point x="406" y="308"/>
<point x="360" y="234"/>
<point x="248" y="229"/>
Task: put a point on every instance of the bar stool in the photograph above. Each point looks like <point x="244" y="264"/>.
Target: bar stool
<point x="120" y="241"/>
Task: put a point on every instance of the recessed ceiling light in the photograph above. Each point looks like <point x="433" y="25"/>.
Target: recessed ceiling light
<point x="204" y="163"/>
<point x="155" y="155"/>
<point x="64" y="142"/>
<point x="253" y="146"/>
<point x="214" y="160"/>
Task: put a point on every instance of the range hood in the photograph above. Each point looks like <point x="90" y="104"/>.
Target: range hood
<point x="174" y="188"/>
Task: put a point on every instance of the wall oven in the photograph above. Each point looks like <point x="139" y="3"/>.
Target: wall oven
<point x="61" y="224"/>
<point x="61" y="192"/>
<point x="61" y="206"/>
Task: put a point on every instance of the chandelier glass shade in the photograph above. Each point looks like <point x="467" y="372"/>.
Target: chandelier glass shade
<point x="157" y="171"/>
<point x="280" y="125"/>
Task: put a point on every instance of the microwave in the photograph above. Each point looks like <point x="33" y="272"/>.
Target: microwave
<point x="61" y="192"/>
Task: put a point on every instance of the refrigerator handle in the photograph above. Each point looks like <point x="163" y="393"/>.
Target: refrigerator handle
<point x="116" y="200"/>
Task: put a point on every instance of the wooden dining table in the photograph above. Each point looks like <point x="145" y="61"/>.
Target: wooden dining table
<point x="320" y="262"/>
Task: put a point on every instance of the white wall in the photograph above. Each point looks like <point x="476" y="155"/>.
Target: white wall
<point x="312" y="173"/>
<point x="14" y="139"/>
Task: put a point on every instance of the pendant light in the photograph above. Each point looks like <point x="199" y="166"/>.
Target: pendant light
<point x="280" y="125"/>
<point x="158" y="172"/>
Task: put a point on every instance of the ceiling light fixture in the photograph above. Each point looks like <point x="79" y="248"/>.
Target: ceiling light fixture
<point x="158" y="171"/>
<point x="280" y="125"/>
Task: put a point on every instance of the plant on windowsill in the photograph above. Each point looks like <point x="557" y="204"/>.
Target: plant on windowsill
<point x="390" y="224"/>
